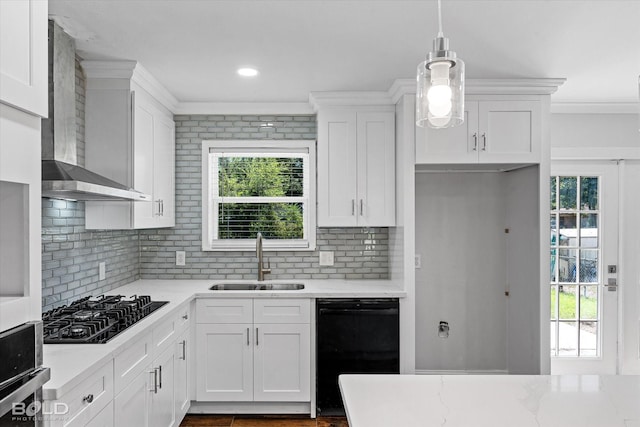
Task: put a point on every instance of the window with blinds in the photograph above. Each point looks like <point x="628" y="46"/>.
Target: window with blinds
<point x="259" y="187"/>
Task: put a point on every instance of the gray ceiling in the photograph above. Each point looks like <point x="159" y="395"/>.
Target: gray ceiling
<point x="193" y="47"/>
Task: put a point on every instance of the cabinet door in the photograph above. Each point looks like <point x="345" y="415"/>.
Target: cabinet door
<point x="144" y="213"/>
<point x="104" y="418"/>
<point x="510" y="132"/>
<point x="162" y="404"/>
<point x="132" y="404"/>
<point x="224" y="362"/>
<point x="376" y="204"/>
<point x="23" y="55"/>
<point x="451" y="145"/>
<point x="337" y="168"/>
<point x="164" y="170"/>
<point x="282" y="362"/>
<point x="182" y="383"/>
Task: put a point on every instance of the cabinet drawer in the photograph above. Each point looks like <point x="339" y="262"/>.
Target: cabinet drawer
<point x="281" y="310"/>
<point x="184" y="317"/>
<point x="213" y="310"/>
<point x="164" y="334"/>
<point x="89" y="398"/>
<point x="132" y="361"/>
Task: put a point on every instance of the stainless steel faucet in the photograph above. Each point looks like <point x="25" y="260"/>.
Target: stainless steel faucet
<point x="261" y="270"/>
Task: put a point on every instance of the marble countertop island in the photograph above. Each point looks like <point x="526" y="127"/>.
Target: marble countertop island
<point x="491" y="400"/>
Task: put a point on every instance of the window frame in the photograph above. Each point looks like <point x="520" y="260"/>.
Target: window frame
<point x="209" y="213"/>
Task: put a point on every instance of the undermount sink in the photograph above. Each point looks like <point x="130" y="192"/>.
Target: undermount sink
<point x="257" y="287"/>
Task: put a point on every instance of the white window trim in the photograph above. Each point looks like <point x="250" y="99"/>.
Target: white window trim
<point x="249" y="146"/>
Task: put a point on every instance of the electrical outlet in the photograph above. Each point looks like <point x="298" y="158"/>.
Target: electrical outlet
<point x="180" y="257"/>
<point x="102" y="271"/>
<point x="326" y="258"/>
<point x="418" y="261"/>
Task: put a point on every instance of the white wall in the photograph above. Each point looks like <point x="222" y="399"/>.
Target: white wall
<point x="594" y="130"/>
<point x="606" y="137"/>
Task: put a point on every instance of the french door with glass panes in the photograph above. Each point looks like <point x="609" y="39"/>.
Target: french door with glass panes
<point x="584" y="243"/>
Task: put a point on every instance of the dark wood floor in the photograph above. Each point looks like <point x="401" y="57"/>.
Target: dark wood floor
<point x="261" y="421"/>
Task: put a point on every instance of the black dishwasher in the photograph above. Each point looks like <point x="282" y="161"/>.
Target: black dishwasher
<point x="354" y="336"/>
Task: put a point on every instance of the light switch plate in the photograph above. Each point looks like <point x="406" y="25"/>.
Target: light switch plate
<point x="326" y="258"/>
<point x="102" y="271"/>
<point x="180" y="257"/>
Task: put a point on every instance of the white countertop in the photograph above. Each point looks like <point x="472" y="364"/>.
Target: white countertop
<point x="491" y="400"/>
<point x="72" y="363"/>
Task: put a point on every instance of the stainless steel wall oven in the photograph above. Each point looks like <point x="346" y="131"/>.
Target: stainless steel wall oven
<point x="22" y="376"/>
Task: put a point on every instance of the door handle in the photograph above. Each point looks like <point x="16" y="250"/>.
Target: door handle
<point x="154" y="378"/>
<point x="484" y="141"/>
<point x="247" y="336"/>
<point x="475" y="141"/>
<point x="361" y="207"/>
<point x="184" y="349"/>
<point x="257" y="343"/>
<point x="160" y="376"/>
<point x="353" y="207"/>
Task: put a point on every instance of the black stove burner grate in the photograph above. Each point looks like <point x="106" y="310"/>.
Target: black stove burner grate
<point x="95" y="320"/>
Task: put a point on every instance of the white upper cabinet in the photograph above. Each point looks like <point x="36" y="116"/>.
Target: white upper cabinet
<point x="23" y="55"/>
<point x="356" y="167"/>
<point x="130" y="138"/>
<point x="494" y="131"/>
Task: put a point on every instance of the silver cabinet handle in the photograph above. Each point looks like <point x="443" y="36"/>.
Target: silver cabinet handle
<point x="88" y="398"/>
<point x="184" y="349"/>
<point x="247" y="336"/>
<point x="161" y="207"/>
<point x="158" y="212"/>
<point x="257" y="343"/>
<point x="353" y="207"/>
<point x="484" y="141"/>
<point x="475" y="141"/>
<point x="154" y="376"/>
<point x="361" y="207"/>
<point x="160" y="376"/>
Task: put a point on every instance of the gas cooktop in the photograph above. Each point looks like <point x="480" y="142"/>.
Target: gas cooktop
<point x="95" y="320"/>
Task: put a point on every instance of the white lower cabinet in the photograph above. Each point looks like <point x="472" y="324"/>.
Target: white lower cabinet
<point x="158" y="396"/>
<point x="104" y="418"/>
<point x="182" y="384"/>
<point x="245" y="361"/>
<point x="281" y="368"/>
<point x="87" y="401"/>
<point x="162" y="411"/>
<point x="132" y="403"/>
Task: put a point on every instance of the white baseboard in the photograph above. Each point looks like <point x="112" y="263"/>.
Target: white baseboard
<point x="462" y="372"/>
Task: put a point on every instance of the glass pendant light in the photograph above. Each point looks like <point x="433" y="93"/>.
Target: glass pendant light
<point x="440" y="92"/>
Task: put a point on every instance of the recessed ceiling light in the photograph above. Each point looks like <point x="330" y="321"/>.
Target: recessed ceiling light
<point x="247" y="72"/>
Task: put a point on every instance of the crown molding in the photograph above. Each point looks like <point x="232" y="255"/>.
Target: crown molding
<point x="595" y="153"/>
<point x="402" y="87"/>
<point x="348" y="98"/>
<point x="149" y="83"/>
<point x="95" y="69"/>
<point x="228" y="108"/>
<point x="134" y="71"/>
<point x="590" y="107"/>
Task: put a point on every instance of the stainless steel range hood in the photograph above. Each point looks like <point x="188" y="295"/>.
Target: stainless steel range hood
<point x="62" y="178"/>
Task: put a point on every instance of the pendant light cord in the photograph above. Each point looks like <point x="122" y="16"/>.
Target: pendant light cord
<point x="440" y="19"/>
